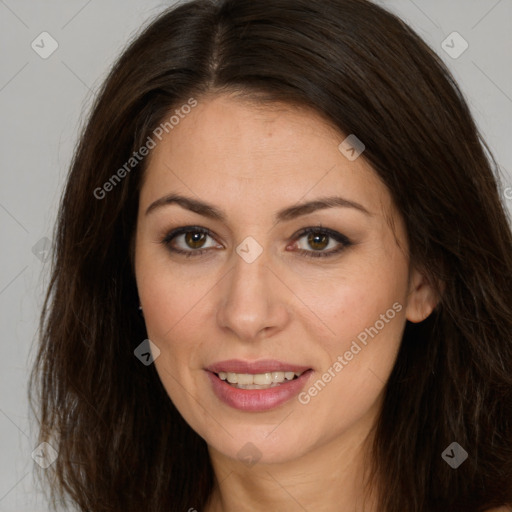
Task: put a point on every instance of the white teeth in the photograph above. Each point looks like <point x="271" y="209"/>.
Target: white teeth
<point x="244" y="378"/>
<point x="259" y="380"/>
<point x="233" y="378"/>
<point x="279" y="376"/>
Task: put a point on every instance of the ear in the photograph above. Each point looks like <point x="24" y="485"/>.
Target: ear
<point x="422" y="297"/>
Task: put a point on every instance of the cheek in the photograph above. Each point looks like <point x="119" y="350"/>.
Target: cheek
<point x="179" y="317"/>
<point x="172" y="305"/>
<point x="362" y="313"/>
<point x="355" y="362"/>
<point x="171" y="297"/>
<point x="351" y="302"/>
<point x="167" y="306"/>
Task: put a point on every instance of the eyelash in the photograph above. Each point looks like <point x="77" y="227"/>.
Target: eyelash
<point x="338" y="237"/>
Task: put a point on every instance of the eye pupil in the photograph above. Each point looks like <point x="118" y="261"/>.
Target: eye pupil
<point x="194" y="239"/>
<point x="318" y="241"/>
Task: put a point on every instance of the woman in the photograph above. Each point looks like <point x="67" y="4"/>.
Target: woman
<point x="282" y="275"/>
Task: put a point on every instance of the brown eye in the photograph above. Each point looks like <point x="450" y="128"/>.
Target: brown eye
<point x="190" y="241"/>
<point x="318" y="241"/>
<point x="195" y="240"/>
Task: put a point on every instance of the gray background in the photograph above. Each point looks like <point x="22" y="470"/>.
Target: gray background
<point x="42" y="103"/>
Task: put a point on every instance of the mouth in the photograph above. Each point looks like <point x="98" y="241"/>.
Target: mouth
<point x="257" y="386"/>
<point x="259" y="380"/>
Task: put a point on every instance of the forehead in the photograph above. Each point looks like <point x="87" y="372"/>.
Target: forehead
<point x="258" y="153"/>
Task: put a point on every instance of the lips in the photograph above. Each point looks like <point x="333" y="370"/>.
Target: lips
<point x="280" y="382"/>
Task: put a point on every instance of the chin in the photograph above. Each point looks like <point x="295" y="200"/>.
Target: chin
<point x="250" y="450"/>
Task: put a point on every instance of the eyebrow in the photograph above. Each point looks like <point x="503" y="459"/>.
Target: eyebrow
<point x="290" y="213"/>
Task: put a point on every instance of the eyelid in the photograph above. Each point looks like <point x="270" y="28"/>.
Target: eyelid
<point x="339" y="237"/>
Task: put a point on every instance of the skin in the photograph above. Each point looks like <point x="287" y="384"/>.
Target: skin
<point x="251" y="161"/>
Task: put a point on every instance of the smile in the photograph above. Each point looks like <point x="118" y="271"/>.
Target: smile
<point x="256" y="386"/>
<point x="257" y="381"/>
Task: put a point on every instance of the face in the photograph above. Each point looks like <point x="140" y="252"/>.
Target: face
<point x="265" y="257"/>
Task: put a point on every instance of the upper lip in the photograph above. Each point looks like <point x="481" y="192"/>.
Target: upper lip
<point x="255" y="367"/>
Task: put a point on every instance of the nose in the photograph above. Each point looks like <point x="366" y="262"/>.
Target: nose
<point x="253" y="301"/>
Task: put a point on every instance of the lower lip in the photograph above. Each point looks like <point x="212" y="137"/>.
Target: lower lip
<point x="257" y="400"/>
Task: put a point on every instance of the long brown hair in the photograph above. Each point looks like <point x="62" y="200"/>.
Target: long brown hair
<point x="122" y="445"/>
